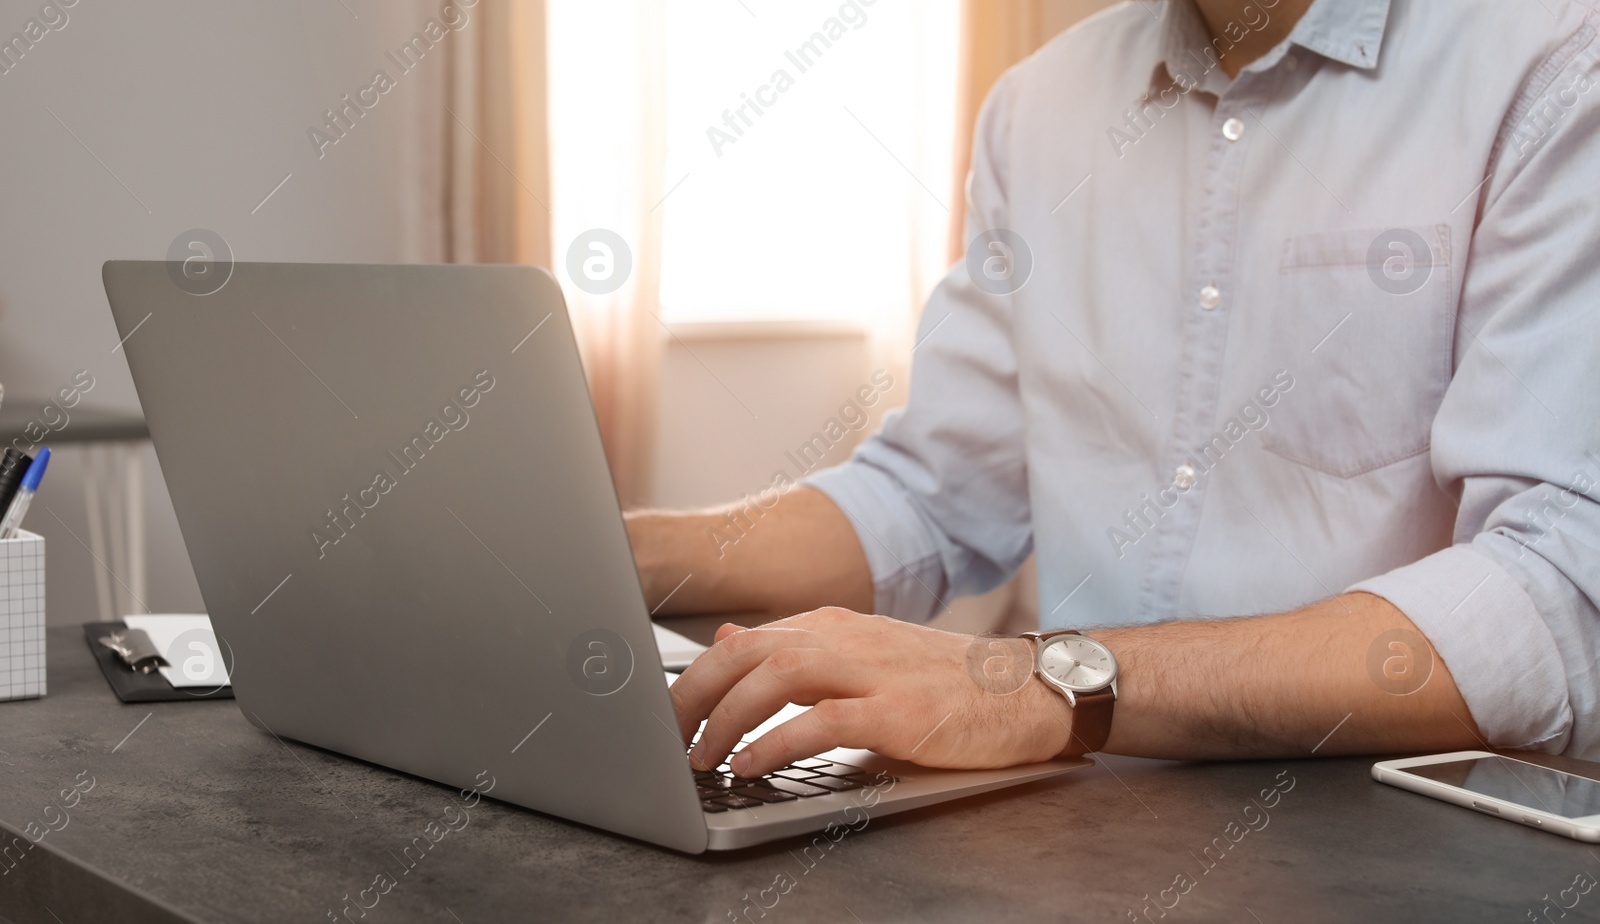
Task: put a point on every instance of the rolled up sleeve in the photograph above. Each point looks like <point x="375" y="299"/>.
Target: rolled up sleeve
<point x="1475" y="614"/>
<point x="1510" y="608"/>
<point x="905" y="550"/>
<point x="938" y="497"/>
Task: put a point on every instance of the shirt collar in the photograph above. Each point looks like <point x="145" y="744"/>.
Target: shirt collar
<point x="1347" y="31"/>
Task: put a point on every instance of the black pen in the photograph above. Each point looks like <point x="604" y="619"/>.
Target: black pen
<point x="12" y="467"/>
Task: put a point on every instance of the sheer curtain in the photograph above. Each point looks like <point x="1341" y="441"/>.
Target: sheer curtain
<point x="607" y="109"/>
<point x="479" y="172"/>
<point x="499" y="195"/>
<point x="500" y="110"/>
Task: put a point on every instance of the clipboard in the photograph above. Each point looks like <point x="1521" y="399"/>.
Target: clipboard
<point x="131" y="686"/>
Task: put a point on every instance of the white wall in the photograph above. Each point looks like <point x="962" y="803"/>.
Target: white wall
<point x="186" y="114"/>
<point x="737" y="402"/>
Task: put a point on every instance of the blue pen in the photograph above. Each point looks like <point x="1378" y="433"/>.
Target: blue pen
<point x="19" y="504"/>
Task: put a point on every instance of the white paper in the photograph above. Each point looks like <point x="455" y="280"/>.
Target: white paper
<point x="189" y="645"/>
<point x="676" y="650"/>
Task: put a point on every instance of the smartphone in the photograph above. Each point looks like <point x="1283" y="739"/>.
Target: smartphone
<point x="1539" y="797"/>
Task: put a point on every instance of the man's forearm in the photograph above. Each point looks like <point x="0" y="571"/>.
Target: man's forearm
<point x="1284" y="686"/>
<point x="799" y="554"/>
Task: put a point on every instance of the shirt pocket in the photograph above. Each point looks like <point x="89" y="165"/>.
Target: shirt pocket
<point x="1362" y="323"/>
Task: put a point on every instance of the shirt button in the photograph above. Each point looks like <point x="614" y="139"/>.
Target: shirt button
<point x="1184" y="477"/>
<point x="1233" y="129"/>
<point x="1210" y="297"/>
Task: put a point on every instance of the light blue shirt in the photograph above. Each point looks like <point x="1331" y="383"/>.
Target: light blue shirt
<point x="1332" y="325"/>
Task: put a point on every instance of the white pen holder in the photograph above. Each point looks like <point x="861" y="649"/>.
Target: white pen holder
<point x="22" y="617"/>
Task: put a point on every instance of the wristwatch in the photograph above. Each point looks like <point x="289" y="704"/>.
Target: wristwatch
<point x="1085" y="672"/>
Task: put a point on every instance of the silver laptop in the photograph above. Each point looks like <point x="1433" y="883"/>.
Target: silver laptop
<point x="394" y="494"/>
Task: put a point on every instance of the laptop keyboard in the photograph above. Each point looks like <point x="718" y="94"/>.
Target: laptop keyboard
<point x="720" y="790"/>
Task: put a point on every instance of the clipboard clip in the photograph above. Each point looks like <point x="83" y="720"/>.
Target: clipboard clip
<point x="135" y="650"/>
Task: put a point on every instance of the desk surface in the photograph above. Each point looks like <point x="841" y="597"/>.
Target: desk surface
<point x="196" y="815"/>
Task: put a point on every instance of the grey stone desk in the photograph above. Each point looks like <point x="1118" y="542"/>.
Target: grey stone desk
<point x="194" y="815"/>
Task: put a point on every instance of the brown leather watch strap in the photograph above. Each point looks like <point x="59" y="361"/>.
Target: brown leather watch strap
<point x="1091" y="717"/>
<point x="1091" y="720"/>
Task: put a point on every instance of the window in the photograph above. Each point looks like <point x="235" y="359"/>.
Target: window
<point x="809" y="146"/>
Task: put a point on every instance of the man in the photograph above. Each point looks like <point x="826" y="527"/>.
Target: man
<point x="1307" y="333"/>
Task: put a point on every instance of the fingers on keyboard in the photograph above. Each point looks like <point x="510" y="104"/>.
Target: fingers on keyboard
<point x="721" y="791"/>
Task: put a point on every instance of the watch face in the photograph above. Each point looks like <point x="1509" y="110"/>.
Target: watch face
<point x="1080" y="664"/>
